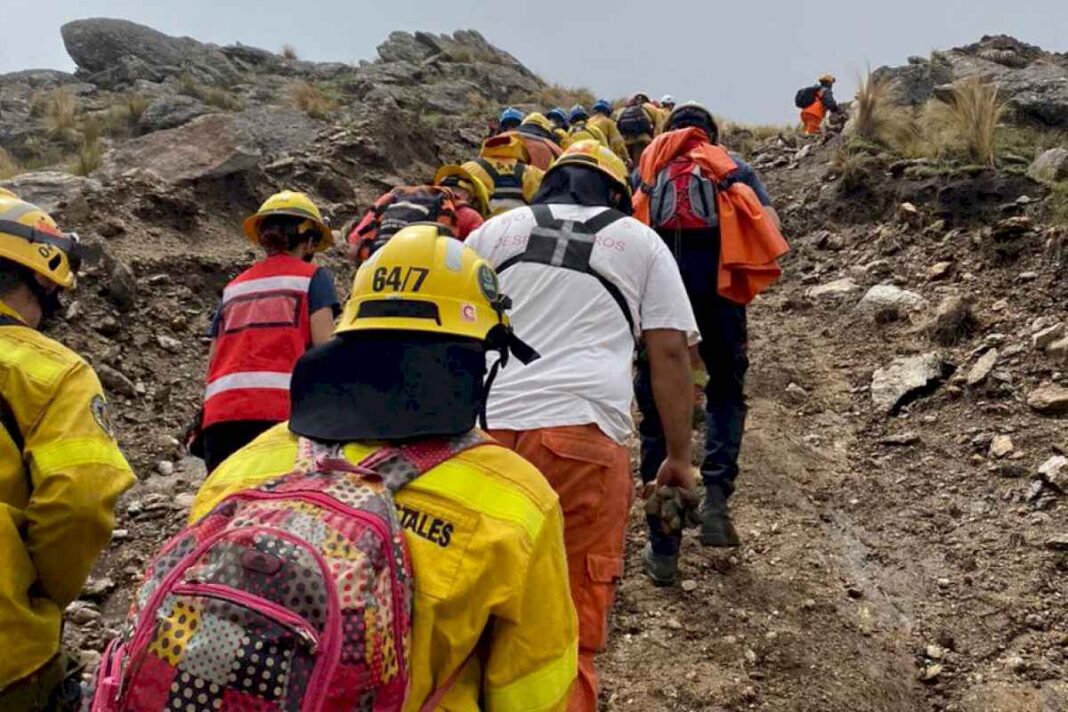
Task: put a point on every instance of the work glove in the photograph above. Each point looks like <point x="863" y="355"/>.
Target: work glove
<point x="674" y="508"/>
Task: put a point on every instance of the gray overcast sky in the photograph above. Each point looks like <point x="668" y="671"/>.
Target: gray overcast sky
<point x="744" y="59"/>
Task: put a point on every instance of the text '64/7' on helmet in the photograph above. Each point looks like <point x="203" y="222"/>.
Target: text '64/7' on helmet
<point x="426" y="281"/>
<point x="29" y="237"/>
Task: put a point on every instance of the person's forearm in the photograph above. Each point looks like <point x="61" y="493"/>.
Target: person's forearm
<point x="672" y="378"/>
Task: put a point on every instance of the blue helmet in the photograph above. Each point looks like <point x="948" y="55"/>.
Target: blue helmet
<point x="603" y="107"/>
<point x="511" y="118"/>
<point x="579" y="113"/>
<point x="557" y="114"/>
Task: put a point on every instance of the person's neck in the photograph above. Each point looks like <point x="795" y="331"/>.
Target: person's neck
<point x="22" y="302"/>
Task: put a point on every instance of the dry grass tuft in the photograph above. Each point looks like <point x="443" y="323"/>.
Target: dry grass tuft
<point x="289" y="52"/>
<point x="878" y="115"/>
<point x="312" y="100"/>
<point x="136" y="105"/>
<point x="967" y="123"/>
<point x="212" y="96"/>
<point x="555" y="95"/>
<point x="8" y="165"/>
<point x="60" y="111"/>
<point x="88" y="158"/>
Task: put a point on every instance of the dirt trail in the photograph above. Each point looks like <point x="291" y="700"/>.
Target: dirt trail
<point x="795" y="619"/>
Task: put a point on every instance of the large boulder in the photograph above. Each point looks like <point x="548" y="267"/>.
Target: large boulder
<point x="215" y="145"/>
<point x="1051" y="166"/>
<point x="116" y="52"/>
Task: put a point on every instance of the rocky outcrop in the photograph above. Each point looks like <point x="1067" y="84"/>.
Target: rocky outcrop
<point x="113" y="52"/>
<point x="1034" y="82"/>
<point x="214" y="146"/>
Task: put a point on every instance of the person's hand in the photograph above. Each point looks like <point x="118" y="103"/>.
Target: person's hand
<point x="676" y="473"/>
<point x="672" y="473"/>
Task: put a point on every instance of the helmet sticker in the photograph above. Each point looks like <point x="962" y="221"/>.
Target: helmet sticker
<point x="99" y="410"/>
<point x="487" y="282"/>
<point x="454" y="252"/>
<point x="468" y="312"/>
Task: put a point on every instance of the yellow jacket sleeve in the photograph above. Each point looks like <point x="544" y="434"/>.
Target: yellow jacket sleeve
<point x="533" y="660"/>
<point x="77" y="472"/>
<point x="531" y="182"/>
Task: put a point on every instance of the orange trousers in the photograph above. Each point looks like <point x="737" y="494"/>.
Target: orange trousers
<point x="591" y="474"/>
<point x="812" y="120"/>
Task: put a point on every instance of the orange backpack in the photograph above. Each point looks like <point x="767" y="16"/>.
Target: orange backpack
<point x="401" y="207"/>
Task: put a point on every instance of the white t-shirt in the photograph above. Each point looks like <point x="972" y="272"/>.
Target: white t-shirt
<point x="585" y="373"/>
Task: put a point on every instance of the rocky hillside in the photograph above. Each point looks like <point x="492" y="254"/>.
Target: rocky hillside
<point x="905" y="483"/>
<point x="1035" y="81"/>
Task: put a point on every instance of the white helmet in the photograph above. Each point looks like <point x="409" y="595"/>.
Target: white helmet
<point x="668" y="100"/>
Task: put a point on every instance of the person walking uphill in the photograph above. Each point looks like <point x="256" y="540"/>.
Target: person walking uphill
<point x="715" y="215"/>
<point x="399" y="391"/>
<point x="588" y="281"/>
<point x="269" y="315"/>
<point x="815" y="102"/>
<point x="602" y="120"/>
<point x="61" y="470"/>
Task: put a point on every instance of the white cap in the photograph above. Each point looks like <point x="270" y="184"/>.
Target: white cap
<point x="667" y="99"/>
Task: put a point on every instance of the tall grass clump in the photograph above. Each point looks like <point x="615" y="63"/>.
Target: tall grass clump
<point x="89" y="156"/>
<point x="312" y="100"/>
<point x="289" y="52"/>
<point x="60" y="111"/>
<point x="966" y="122"/>
<point x="878" y="114"/>
<point x="9" y="166"/>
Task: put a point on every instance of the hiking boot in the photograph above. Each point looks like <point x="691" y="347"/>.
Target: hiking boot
<point x="663" y="569"/>
<point x="717" y="529"/>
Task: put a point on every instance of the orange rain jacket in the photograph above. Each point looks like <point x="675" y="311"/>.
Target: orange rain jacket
<point x="750" y="243"/>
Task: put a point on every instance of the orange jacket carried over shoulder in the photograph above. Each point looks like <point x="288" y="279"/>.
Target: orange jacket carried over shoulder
<point x="750" y="243"/>
<point x="812" y="115"/>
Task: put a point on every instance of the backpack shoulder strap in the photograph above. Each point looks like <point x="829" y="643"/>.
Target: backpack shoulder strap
<point x="398" y="466"/>
<point x="518" y="171"/>
<point x="553" y="245"/>
<point x="603" y="220"/>
<point x="489" y="168"/>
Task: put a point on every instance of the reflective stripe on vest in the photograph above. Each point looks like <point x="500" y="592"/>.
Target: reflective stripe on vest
<point x="505" y="187"/>
<point x="569" y="244"/>
<point x="248" y="379"/>
<point x="263" y="328"/>
<point x="266" y="284"/>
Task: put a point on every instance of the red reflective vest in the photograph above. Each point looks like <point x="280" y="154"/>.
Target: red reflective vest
<point x="263" y="328"/>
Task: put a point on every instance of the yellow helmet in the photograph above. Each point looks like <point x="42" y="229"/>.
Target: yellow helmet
<point x="293" y="204"/>
<point x="598" y="156"/>
<point x="462" y="178"/>
<point x="29" y="237"/>
<point x="539" y="120"/>
<point x="586" y="132"/>
<point x="827" y="79"/>
<point x="423" y="280"/>
<point x="428" y="309"/>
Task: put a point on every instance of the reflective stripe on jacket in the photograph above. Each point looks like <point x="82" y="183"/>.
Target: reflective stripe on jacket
<point x="501" y="201"/>
<point x="485" y="533"/>
<point x="263" y="328"/>
<point x="57" y="495"/>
